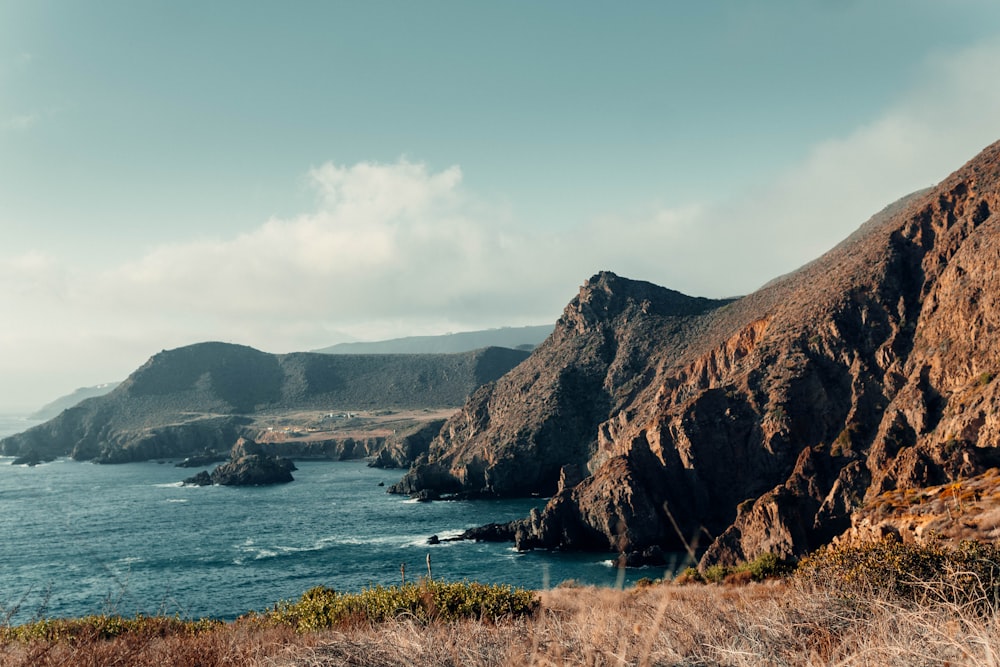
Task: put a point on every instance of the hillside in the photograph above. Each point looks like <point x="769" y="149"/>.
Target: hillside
<point x="522" y="338"/>
<point x="203" y="396"/>
<point x="758" y="425"/>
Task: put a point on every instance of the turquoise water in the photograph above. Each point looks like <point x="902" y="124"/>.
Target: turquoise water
<point x="80" y="538"/>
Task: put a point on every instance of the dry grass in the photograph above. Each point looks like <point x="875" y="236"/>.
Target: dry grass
<point x="773" y="623"/>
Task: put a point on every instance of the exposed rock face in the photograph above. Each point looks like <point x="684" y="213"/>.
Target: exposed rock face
<point x="330" y="449"/>
<point x="184" y="401"/>
<point x="201" y="479"/>
<point x="403" y="448"/>
<point x="762" y="424"/>
<point x="515" y="435"/>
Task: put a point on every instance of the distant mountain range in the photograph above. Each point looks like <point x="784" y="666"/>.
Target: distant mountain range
<point x="519" y="338"/>
<point x="50" y="410"/>
<point x="201" y="396"/>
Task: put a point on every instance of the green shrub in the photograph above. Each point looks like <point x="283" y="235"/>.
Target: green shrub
<point x="690" y="575"/>
<point x="968" y="573"/>
<point x="760" y="568"/>
<point x="427" y="601"/>
<point x="105" y="627"/>
<point x="765" y="566"/>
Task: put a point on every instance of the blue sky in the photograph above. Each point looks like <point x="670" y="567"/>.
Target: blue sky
<point x="287" y="175"/>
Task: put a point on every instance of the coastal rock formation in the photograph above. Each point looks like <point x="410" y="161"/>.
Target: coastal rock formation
<point x="249" y="464"/>
<point x="184" y="401"/>
<point x="328" y="449"/>
<point x="201" y="479"/>
<point x="515" y="435"/>
<point x="759" y="424"/>
<point x="403" y="448"/>
<point x="254" y="470"/>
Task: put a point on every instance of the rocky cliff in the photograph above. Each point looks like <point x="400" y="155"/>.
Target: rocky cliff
<point x="761" y="424"/>
<point x="203" y="397"/>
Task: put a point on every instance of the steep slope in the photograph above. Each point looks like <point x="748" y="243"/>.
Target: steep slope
<point x="758" y="425"/>
<point x="198" y="397"/>
<point x="514" y="436"/>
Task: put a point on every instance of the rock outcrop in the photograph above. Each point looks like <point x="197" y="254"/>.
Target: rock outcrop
<point x="403" y="448"/>
<point x="254" y="470"/>
<point x="759" y="424"/>
<point x="515" y="435"/>
<point x="250" y="464"/>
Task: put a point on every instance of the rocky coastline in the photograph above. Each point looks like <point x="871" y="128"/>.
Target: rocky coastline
<point x="762" y="424"/>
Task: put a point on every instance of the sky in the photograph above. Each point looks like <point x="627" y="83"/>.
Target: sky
<point x="293" y="175"/>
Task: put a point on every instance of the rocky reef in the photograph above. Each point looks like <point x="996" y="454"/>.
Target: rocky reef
<point x="754" y="425"/>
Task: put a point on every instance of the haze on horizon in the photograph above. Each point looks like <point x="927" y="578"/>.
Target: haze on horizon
<point x="289" y="177"/>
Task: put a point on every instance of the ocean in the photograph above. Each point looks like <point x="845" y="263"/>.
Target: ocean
<point x="80" y="538"/>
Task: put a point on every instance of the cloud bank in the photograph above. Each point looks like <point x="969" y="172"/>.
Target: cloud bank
<point x="401" y="248"/>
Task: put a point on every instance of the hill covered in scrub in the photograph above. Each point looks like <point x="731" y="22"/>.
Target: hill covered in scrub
<point x="203" y="396"/>
<point x="760" y="424"/>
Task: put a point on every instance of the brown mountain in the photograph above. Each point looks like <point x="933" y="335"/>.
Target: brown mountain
<point x="759" y="424"/>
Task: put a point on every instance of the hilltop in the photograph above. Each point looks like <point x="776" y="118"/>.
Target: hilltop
<point x="755" y="425"/>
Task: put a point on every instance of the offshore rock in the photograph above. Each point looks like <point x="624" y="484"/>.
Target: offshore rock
<point x="254" y="470"/>
<point x="201" y="479"/>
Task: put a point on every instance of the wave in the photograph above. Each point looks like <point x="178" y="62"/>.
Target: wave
<point x="170" y="485"/>
<point x="251" y="550"/>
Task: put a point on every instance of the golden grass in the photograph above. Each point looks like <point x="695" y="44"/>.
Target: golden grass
<point x="772" y="623"/>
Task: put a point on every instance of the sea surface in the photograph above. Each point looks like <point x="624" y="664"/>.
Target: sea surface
<point x="79" y="538"/>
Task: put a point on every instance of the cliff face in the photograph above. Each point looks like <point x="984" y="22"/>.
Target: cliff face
<point x="202" y="397"/>
<point x="514" y="436"/>
<point x="761" y="424"/>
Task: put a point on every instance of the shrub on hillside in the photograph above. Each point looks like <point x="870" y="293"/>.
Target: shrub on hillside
<point x="427" y="601"/>
<point x="764" y="566"/>
<point x="967" y="573"/>
<point x="100" y="627"/>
